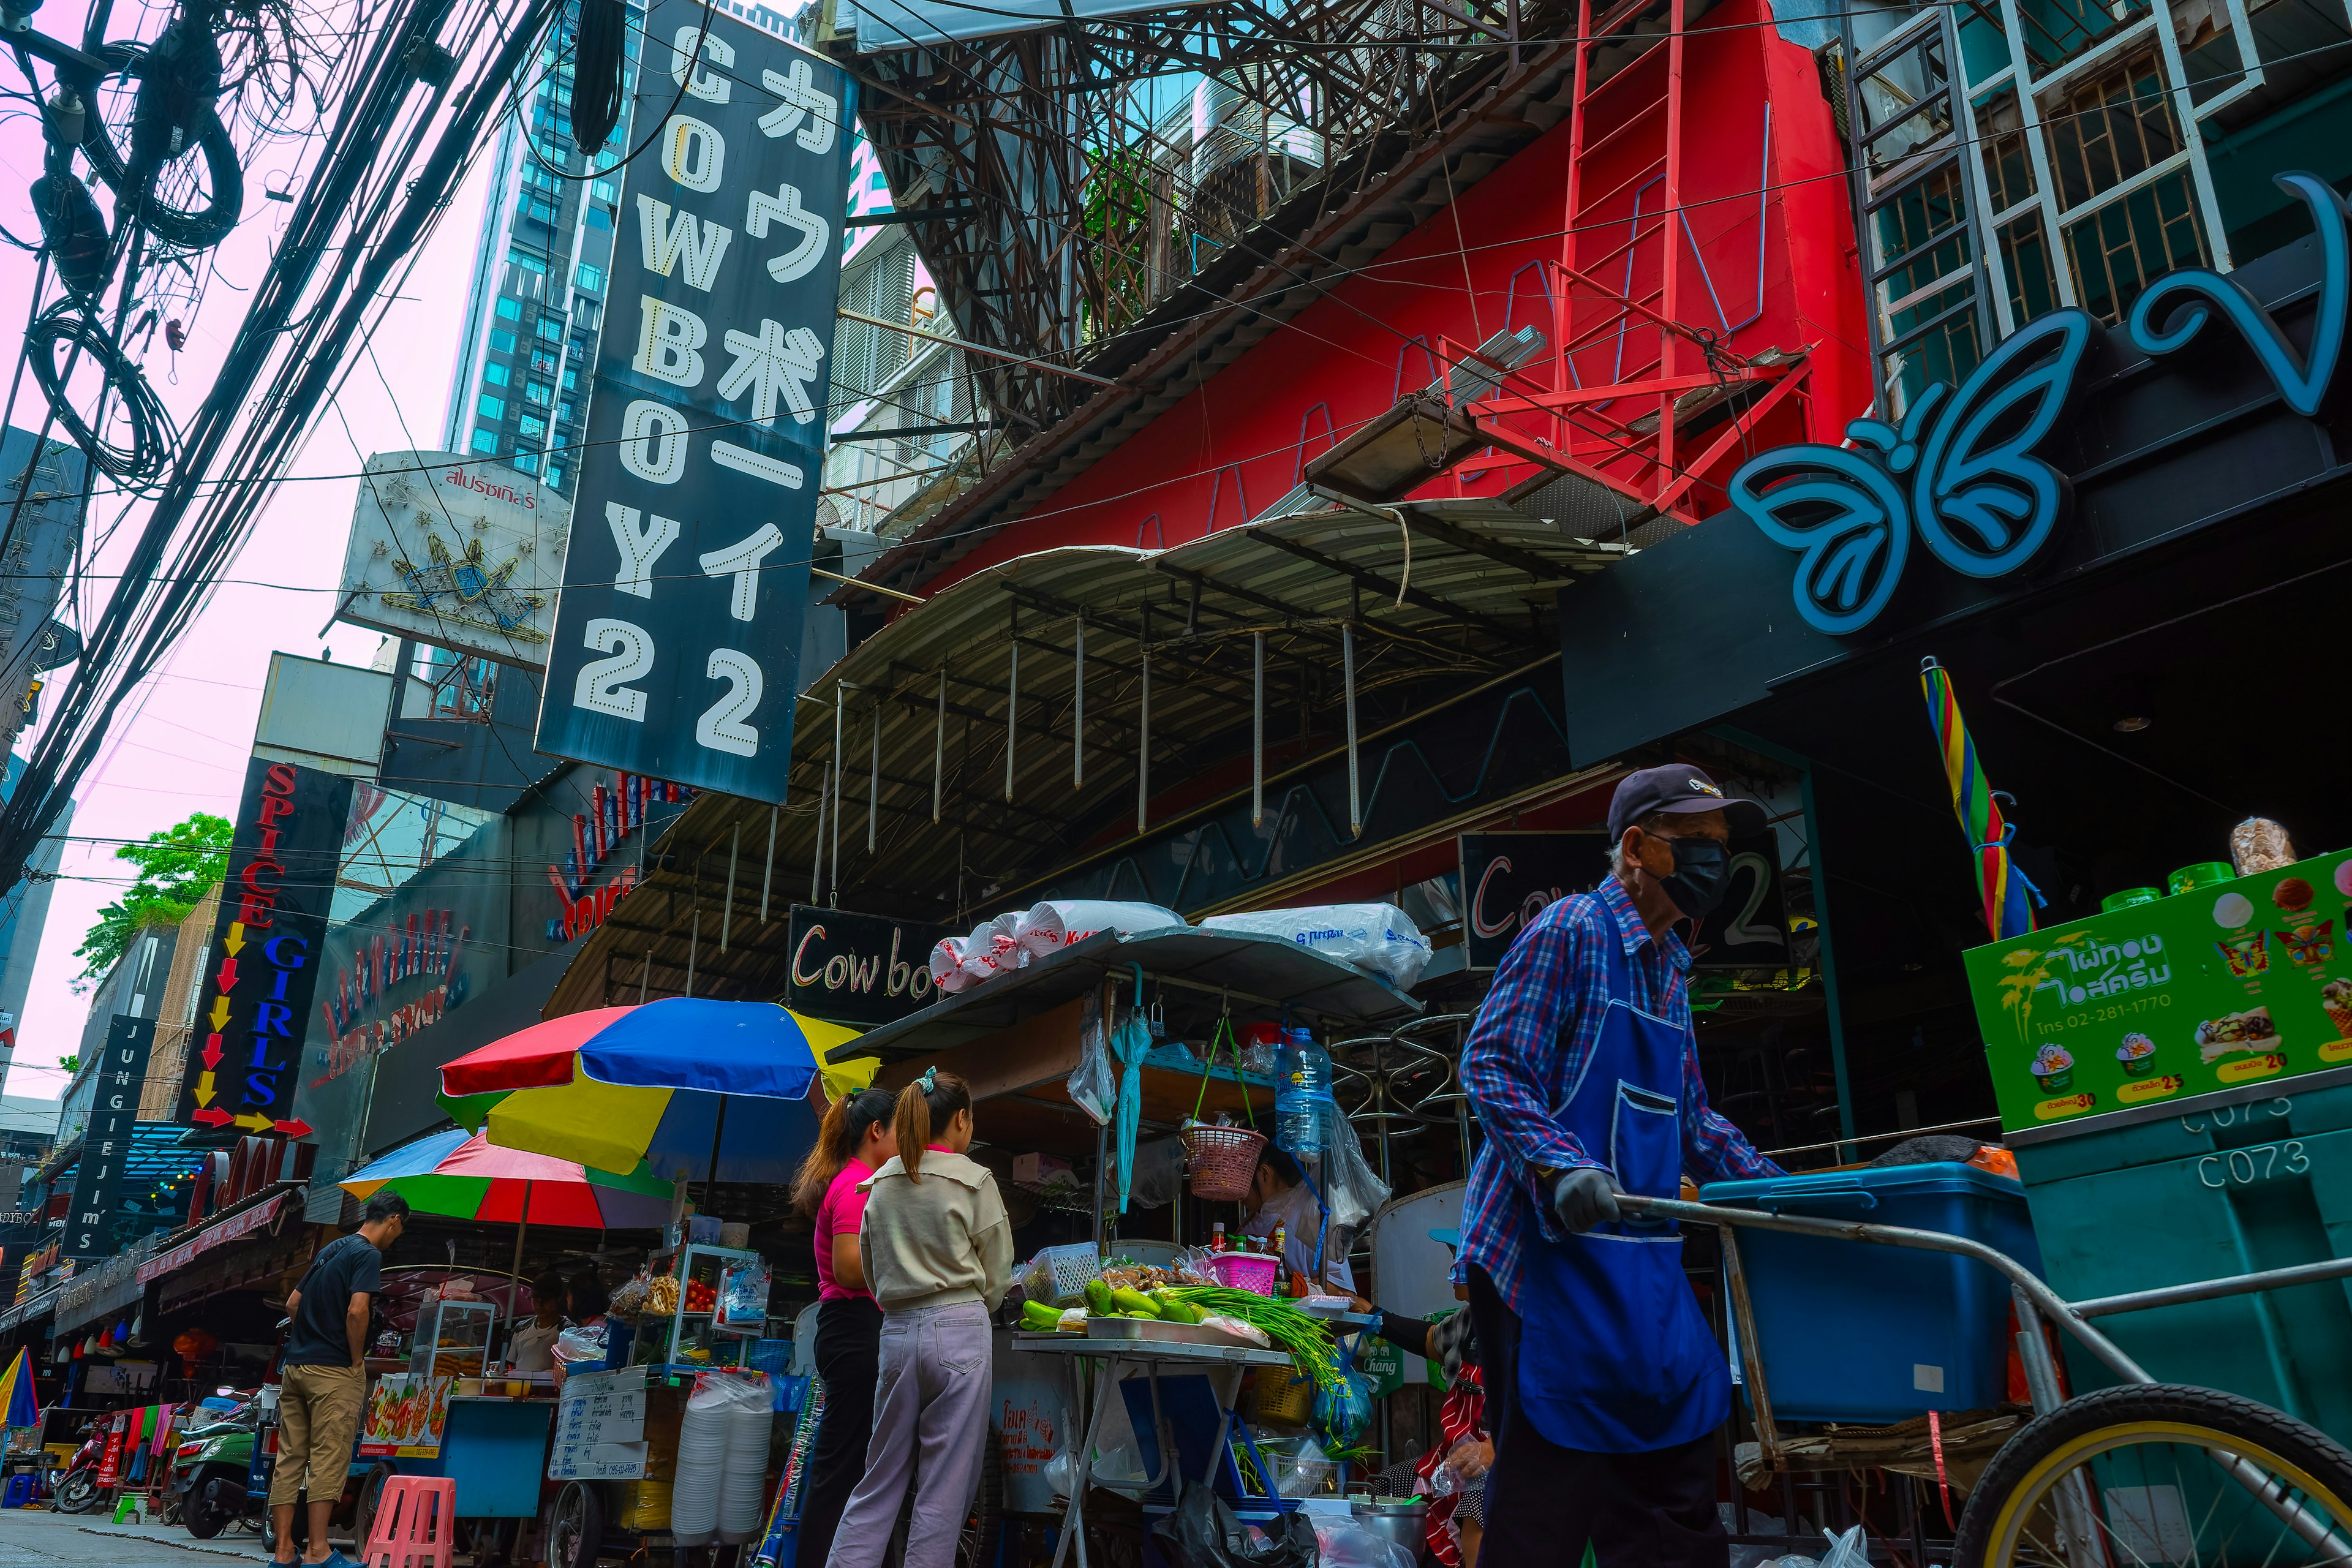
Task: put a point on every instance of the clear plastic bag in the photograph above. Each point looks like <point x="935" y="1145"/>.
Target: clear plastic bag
<point x="1158" y="1173"/>
<point x="1344" y="1543"/>
<point x="1351" y="1192"/>
<point x="1093" y="1086"/>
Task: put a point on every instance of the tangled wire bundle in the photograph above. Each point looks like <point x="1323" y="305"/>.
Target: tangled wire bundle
<point x="69" y="326"/>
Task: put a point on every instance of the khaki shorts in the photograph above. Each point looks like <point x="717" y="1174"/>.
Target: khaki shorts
<point x="318" y="1421"/>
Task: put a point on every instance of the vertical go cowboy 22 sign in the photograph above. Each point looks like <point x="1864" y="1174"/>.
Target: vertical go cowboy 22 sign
<point x="676" y="647"/>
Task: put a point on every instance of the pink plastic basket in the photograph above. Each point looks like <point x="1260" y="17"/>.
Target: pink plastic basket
<point x="1250" y="1272"/>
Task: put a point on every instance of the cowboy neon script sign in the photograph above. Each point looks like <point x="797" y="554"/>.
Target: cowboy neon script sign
<point x="1959" y="473"/>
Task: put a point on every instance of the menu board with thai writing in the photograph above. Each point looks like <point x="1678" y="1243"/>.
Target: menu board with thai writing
<point x="600" y="1427"/>
<point x="2245" y="981"/>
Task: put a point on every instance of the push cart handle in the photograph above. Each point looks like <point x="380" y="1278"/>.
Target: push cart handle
<point x="2049" y="1301"/>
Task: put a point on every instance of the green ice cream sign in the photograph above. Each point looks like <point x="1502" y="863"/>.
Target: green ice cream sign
<point x="2236" y="984"/>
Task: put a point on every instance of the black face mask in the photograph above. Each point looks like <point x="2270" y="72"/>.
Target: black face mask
<point x="1702" y="875"/>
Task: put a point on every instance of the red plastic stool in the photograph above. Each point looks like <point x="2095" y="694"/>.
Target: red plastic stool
<point x="416" y="1523"/>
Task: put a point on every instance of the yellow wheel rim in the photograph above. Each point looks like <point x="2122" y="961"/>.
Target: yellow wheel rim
<point x="2036" y="1489"/>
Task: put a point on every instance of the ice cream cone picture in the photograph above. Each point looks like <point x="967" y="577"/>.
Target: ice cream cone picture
<point x="2336" y="997"/>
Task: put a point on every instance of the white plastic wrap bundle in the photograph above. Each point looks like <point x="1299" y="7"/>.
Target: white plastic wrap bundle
<point x="1011" y="940"/>
<point x="722" y="1459"/>
<point x="1381" y="937"/>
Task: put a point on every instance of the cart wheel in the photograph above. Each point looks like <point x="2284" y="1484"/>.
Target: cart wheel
<point x="370" y="1499"/>
<point x="2160" y="1473"/>
<point x="574" y="1529"/>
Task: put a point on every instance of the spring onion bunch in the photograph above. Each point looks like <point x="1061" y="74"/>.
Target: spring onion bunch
<point x="1305" y="1337"/>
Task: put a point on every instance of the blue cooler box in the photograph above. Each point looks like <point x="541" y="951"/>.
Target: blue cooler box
<point x="1858" y="1333"/>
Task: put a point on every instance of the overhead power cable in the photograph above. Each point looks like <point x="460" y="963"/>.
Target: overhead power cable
<point x="300" y="350"/>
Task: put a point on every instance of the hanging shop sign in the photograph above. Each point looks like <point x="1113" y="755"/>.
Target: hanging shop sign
<point x="677" y="644"/>
<point x="2243" y="985"/>
<point x="1959" y="474"/>
<point x="1508" y="878"/>
<point x="457" y="552"/>
<point x="106" y="1142"/>
<point x="261" y="969"/>
<point x="859" y="969"/>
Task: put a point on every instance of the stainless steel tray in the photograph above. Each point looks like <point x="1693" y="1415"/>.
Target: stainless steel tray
<point x="1177" y="1333"/>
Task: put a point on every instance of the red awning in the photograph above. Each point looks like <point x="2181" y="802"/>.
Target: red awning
<point x="227" y="1230"/>
<point x="536" y="1058"/>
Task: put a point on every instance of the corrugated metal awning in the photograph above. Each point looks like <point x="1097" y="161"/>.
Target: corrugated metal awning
<point x="956" y="727"/>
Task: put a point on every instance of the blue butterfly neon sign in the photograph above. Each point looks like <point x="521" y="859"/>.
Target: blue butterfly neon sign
<point x="1960" y="470"/>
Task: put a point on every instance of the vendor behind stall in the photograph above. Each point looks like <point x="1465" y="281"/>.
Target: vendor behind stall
<point x="531" y="1344"/>
<point x="1281" y="1195"/>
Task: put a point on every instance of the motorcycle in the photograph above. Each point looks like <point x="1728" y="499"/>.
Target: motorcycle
<point x="209" y="1470"/>
<point x="78" y="1490"/>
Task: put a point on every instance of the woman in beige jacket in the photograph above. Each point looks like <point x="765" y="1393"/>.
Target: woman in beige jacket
<point x="939" y="1255"/>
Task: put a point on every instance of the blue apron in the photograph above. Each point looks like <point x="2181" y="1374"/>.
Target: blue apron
<point x="1613" y="1356"/>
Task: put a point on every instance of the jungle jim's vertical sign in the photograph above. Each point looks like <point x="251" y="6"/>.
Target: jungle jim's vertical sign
<point x="262" y="967"/>
<point x="676" y="649"/>
<point x="106" y="1142"/>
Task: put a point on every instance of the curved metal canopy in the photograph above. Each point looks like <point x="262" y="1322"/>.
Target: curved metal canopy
<point x="954" y="741"/>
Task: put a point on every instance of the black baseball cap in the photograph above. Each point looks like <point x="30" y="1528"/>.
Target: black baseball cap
<point x="1677" y="788"/>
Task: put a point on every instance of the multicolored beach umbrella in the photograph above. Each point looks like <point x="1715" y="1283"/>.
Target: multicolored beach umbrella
<point x="2009" y="898"/>
<point x="684" y="1087"/>
<point x="464" y="1175"/>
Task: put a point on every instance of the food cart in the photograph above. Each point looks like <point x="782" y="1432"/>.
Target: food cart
<point x="443" y="1411"/>
<point x="1017" y="1039"/>
<point x="612" y="1464"/>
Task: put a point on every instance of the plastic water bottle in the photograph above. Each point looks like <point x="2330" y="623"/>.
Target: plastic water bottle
<point x="1302" y="1098"/>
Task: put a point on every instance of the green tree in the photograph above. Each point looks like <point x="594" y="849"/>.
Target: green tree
<point x="176" y="867"/>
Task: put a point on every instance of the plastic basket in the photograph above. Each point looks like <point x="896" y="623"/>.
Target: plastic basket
<point x="1251" y="1272"/>
<point x="1283" y="1397"/>
<point x="1223" y="1160"/>
<point x="1069" y="1267"/>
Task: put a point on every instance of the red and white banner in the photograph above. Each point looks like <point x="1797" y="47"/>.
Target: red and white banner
<point x="227" y="1230"/>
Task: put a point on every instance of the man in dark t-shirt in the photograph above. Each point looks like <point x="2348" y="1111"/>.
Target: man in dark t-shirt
<point x="323" y="1386"/>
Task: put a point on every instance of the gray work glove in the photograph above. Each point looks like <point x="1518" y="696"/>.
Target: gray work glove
<point x="1585" y="1197"/>
<point x="1455" y="1341"/>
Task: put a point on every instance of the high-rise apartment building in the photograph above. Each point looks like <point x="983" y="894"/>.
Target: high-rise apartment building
<point x="536" y="299"/>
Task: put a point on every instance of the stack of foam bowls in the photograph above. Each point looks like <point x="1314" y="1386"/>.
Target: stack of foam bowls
<point x="743" y="1488"/>
<point x="701" y="1461"/>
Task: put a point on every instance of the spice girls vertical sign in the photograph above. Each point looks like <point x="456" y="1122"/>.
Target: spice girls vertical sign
<point x="676" y="640"/>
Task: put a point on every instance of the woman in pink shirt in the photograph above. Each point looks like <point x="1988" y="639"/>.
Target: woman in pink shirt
<point x="854" y="1142"/>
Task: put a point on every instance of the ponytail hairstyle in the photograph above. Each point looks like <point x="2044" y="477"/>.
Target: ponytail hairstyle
<point x="931" y="1100"/>
<point x="838" y="1140"/>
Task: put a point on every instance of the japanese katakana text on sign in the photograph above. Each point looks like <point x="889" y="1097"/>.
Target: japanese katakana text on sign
<point x="676" y="643"/>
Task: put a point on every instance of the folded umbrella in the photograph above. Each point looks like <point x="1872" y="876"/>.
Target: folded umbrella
<point x="17" y="1404"/>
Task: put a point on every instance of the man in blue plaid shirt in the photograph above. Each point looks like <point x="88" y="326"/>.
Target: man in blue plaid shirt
<point x="1606" y="1385"/>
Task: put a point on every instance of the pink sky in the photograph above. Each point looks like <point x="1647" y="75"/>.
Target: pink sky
<point x="179" y="744"/>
